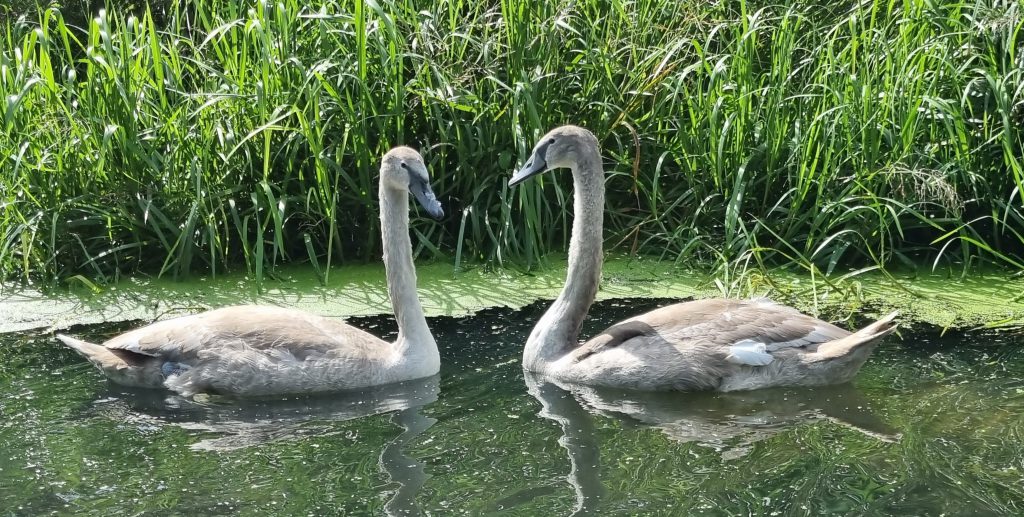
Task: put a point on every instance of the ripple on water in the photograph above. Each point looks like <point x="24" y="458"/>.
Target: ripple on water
<point x="934" y="424"/>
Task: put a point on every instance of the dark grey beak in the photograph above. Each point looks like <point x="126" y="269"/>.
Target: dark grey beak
<point x="535" y="166"/>
<point x="421" y="189"/>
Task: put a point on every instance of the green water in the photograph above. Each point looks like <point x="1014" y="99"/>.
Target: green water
<point x="932" y="425"/>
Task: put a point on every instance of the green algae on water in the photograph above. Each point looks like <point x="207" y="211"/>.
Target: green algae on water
<point x="982" y="299"/>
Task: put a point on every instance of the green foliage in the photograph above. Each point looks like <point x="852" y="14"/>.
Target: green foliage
<point x="220" y="133"/>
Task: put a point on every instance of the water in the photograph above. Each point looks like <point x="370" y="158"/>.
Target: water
<point x="932" y="425"/>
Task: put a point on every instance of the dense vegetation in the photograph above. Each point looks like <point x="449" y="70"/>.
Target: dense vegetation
<point x="228" y="134"/>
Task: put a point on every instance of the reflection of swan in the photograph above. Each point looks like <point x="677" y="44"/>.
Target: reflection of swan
<point x="727" y="422"/>
<point x="250" y="422"/>
<point x="723" y="345"/>
<point x="257" y="350"/>
<point x="401" y="469"/>
<point x="247" y="423"/>
<point x="578" y="439"/>
<point x="732" y="422"/>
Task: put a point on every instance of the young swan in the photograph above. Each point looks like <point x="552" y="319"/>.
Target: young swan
<point x="722" y="345"/>
<point x="257" y="350"/>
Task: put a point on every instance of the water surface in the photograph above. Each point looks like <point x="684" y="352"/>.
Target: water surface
<point x="933" y="424"/>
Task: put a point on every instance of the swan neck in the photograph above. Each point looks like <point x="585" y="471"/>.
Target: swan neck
<point x="414" y="337"/>
<point x="557" y="332"/>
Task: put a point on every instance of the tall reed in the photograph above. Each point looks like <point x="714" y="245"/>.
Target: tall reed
<point x="236" y="134"/>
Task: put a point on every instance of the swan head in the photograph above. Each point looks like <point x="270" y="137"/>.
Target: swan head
<point x="562" y="147"/>
<point x="403" y="169"/>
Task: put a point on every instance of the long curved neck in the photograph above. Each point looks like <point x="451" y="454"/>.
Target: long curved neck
<point x="415" y="342"/>
<point x="558" y="330"/>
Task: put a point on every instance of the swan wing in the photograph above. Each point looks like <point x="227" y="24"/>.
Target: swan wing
<point x="744" y="332"/>
<point x="265" y="331"/>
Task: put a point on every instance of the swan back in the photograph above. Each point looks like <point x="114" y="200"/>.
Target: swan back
<point x="724" y="345"/>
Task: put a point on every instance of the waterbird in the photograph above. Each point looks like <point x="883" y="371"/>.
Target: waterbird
<point x="711" y="344"/>
<point x="261" y="350"/>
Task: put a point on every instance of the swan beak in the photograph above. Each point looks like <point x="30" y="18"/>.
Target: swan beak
<point x="421" y="189"/>
<point x="535" y="166"/>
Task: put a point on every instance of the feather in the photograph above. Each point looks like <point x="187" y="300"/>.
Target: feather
<point x="749" y="352"/>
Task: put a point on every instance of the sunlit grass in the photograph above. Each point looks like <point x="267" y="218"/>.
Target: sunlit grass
<point x="246" y="135"/>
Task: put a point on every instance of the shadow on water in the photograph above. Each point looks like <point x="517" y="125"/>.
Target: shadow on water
<point x="932" y="425"/>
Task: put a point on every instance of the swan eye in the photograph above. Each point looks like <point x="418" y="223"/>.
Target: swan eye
<point x="551" y="141"/>
<point x="404" y="166"/>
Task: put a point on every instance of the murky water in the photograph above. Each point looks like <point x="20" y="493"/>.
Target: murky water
<point x="932" y="425"/>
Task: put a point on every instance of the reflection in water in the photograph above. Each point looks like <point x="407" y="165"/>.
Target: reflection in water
<point x="732" y="422"/>
<point x="401" y="469"/>
<point x="578" y="439"/>
<point x="957" y="399"/>
<point x="728" y="422"/>
<point x="247" y="423"/>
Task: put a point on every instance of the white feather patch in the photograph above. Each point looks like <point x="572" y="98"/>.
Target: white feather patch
<point x="749" y="352"/>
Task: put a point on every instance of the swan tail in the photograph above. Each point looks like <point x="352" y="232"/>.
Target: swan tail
<point x="120" y="366"/>
<point x="863" y="339"/>
<point x="100" y="356"/>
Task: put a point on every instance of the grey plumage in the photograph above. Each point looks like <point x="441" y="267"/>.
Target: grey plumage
<point x="256" y="350"/>
<point x="693" y="341"/>
<point x="721" y="345"/>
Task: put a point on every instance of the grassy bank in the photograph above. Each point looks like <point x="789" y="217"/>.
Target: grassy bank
<point x="245" y="135"/>
<point x="985" y="300"/>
